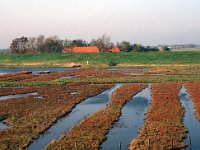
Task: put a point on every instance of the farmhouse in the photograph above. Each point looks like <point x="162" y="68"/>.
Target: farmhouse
<point x="88" y="49"/>
<point x="114" y="50"/>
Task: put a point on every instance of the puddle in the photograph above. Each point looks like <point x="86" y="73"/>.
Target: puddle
<point x="3" y="125"/>
<point x="74" y="93"/>
<point x="81" y="111"/>
<point x="2" y="73"/>
<point x="69" y="77"/>
<point x="118" y="69"/>
<point x="34" y="70"/>
<point x="38" y="97"/>
<point x="17" y="96"/>
<point x="130" y="121"/>
<point x="190" y="121"/>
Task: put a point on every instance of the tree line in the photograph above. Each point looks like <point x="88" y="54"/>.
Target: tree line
<point x="41" y="44"/>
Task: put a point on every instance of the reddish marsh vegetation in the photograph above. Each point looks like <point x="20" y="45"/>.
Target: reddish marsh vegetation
<point x="28" y="117"/>
<point x="163" y="128"/>
<point x="194" y="91"/>
<point x="13" y="91"/>
<point x="16" y="76"/>
<point x="92" y="131"/>
<point x="81" y="73"/>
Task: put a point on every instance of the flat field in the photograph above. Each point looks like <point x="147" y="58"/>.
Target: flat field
<point x="98" y="60"/>
<point x="58" y="98"/>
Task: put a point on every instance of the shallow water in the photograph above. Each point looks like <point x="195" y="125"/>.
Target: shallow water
<point x="3" y="125"/>
<point x="81" y="111"/>
<point x="69" y="77"/>
<point x="17" y="96"/>
<point x="190" y="121"/>
<point x="130" y="121"/>
<point x="33" y="70"/>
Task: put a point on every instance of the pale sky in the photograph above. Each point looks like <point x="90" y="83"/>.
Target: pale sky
<point x="149" y="22"/>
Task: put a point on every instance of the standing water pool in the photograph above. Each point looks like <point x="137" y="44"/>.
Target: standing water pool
<point x="7" y="97"/>
<point x="34" y="70"/>
<point x="132" y="118"/>
<point x="190" y="121"/>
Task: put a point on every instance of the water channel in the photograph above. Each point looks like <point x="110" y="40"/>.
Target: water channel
<point x="81" y="111"/>
<point x="190" y="121"/>
<point x="130" y="121"/>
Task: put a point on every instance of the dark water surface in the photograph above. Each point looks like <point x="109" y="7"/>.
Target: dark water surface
<point x="33" y="70"/>
<point x="130" y="121"/>
<point x="190" y="121"/>
<point x="81" y="111"/>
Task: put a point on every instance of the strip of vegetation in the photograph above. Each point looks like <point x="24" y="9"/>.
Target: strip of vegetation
<point x="80" y="73"/>
<point x="30" y="116"/>
<point x="153" y="74"/>
<point x="163" y="128"/>
<point x="134" y="79"/>
<point x="194" y="91"/>
<point x="99" y="59"/>
<point x="137" y="79"/>
<point x="92" y="131"/>
<point x="16" y="76"/>
<point x="35" y="83"/>
<point x="14" y="91"/>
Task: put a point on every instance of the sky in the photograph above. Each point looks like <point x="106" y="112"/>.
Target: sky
<point x="149" y="22"/>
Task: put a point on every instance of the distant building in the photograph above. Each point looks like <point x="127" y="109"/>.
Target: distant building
<point x="66" y="50"/>
<point x="114" y="50"/>
<point x="88" y="49"/>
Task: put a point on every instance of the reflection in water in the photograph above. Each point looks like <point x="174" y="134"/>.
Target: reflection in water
<point x="17" y="96"/>
<point x="129" y="123"/>
<point x="138" y="102"/>
<point x="190" y="120"/>
<point x="81" y="111"/>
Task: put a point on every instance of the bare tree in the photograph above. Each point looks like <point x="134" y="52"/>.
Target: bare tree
<point x="103" y="43"/>
<point x="32" y="45"/>
<point x="19" y="45"/>
<point x="40" y="43"/>
<point x="53" y="44"/>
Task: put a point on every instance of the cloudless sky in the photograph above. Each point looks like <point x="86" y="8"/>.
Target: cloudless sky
<point x="149" y="22"/>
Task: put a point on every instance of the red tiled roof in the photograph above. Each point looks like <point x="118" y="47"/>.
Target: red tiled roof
<point x="114" y="50"/>
<point x="88" y="49"/>
<point x="66" y="49"/>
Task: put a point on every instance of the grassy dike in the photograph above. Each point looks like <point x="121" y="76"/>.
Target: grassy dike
<point x="98" y="60"/>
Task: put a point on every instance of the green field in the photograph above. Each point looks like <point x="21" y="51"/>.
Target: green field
<point x="186" y="50"/>
<point x="100" y="59"/>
